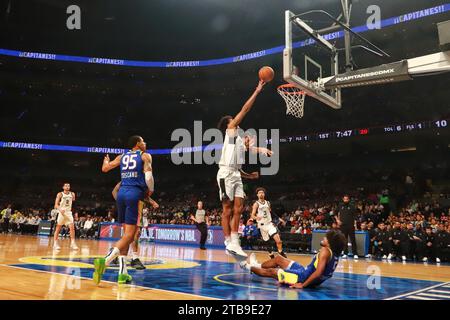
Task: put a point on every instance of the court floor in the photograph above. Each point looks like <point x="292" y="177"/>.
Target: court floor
<point x="34" y="271"/>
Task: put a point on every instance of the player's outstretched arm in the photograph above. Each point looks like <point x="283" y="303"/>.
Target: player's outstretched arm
<point x="253" y="175"/>
<point x="246" y="107"/>
<point x="109" y="165"/>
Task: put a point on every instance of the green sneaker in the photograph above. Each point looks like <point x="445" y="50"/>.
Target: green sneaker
<point x="124" y="278"/>
<point x="99" y="267"/>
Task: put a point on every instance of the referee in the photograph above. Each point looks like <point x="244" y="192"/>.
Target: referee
<point x="346" y="221"/>
<point x="201" y="222"/>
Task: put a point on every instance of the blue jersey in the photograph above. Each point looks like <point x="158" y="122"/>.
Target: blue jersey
<point x="132" y="170"/>
<point x="329" y="268"/>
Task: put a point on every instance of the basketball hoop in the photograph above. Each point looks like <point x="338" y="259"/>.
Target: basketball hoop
<point x="294" y="98"/>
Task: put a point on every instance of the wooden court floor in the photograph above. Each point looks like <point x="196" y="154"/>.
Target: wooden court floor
<point x="34" y="271"/>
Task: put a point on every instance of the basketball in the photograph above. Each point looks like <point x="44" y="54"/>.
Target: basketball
<point x="266" y="74"/>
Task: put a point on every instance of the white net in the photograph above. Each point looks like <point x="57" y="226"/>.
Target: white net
<point x="294" y="98"/>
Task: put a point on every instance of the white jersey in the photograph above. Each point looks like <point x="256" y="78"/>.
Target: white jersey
<point x="233" y="151"/>
<point x="66" y="201"/>
<point x="264" y="213"/>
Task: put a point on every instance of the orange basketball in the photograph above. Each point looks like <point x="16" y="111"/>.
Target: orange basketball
<point x="266" y="74"/>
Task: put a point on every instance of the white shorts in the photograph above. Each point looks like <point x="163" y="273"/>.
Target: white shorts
<point x="64" y="219"/>
<point x="268" y="231"/>
<point x="230" y="184"/>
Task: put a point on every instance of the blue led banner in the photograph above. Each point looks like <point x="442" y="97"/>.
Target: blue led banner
<point x="340" y="134"/>
<point x="203" y="63"/>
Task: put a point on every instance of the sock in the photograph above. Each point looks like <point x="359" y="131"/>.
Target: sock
<point x="134" y="256"/>
<point x="113" y="253"/>
<point x="123" y="265"/>
<point x="235" y="237"/>
<point x="227" y="239"/>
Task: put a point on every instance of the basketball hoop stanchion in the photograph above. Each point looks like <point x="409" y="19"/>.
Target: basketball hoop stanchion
<point x="294" y="98"/>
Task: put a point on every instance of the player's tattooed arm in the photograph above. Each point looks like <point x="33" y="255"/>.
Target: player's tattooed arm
<point x="253" y="175"/>
<point x="147" y="159"/>
<point x="246" y="107"/>
<point x="109" y="165"/>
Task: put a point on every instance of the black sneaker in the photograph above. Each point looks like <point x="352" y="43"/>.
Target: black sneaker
<point x="115" y="261"/>
<point x="137" y="264"/>
<point x="271" y="256"/>
<point x="282" y="254"/>
<point x="202" y="248"/>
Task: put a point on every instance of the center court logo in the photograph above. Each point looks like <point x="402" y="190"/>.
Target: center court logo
<point x="256" y="142"/>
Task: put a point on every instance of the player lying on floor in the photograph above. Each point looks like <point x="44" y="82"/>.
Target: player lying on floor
<point x="290" y="272"/>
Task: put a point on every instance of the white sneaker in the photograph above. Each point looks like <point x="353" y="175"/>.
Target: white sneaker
<point x="235" y="250"/>
<point x="384" y="257"/>
<point x="252" y="259"/>
<point x="74" y="246"/>
<point x="369" y="256"/>
<point x="355" y="257"/>
<point x="389" y="257"/>
<point x="403" y="258"/>
<point x="425" y="259"/>
<point x="56" y="246"/>
<point x="344" y="256"/>
<point x="438" y="260"/>
<point x="245" y="265"/>
<point x="227" y="242"/>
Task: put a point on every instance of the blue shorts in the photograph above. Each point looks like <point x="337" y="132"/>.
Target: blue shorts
<point x="129" y="205"/>
<point x="299" y="270"/>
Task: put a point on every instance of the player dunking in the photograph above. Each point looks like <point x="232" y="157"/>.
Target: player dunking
<point x="319" y="270"/>
<point x="136" y="182"/>
<point x="135" y="261"/>
<point x="229" y="176"/>
<point x="261" y="211"/>
<point x="63" y="204"/>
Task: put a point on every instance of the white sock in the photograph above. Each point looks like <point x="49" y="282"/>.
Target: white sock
<point x="123" y="265"/>
<point x="114" y="253"/>
<point x="256" y="265"/>
<point x="227" y="239"/>
<point x="235" y="237"/>
<point x="134" y="256"/>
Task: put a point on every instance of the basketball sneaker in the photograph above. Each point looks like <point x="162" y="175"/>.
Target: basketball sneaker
<point x="99" y="269"/>
<point x="124" y="278"/>
<point x="236" y="251"/>
<point x="425" y="259"/>
<point x="355" y="257"/>
<point x="73" y="246"/>
<point x="137" y="264"/>
<point x="56" y="246"/>
<point x="438" y="260"/>
<point x="282" y="254"/>
<point x="271" y="256"/>
<point x="344" y="256"/>
<point x="245" y="265"/>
